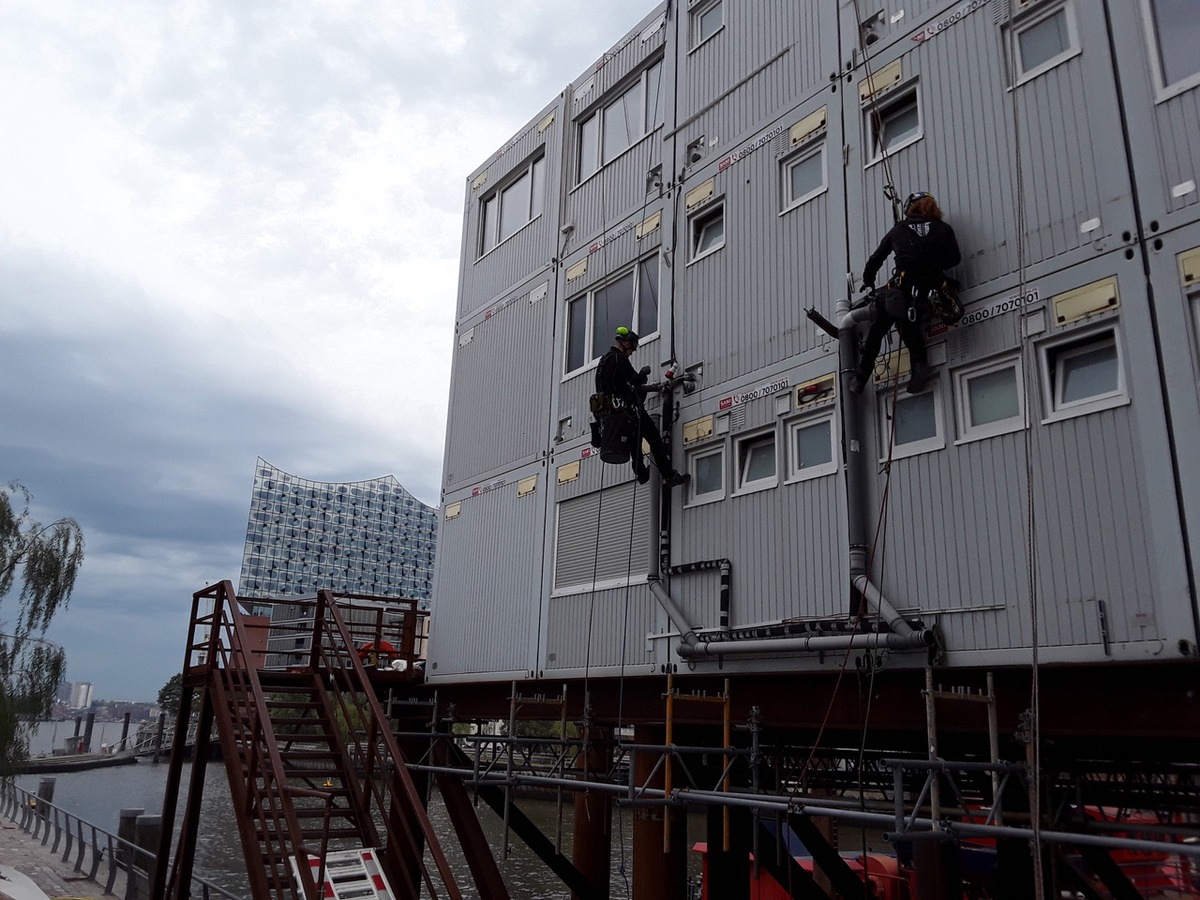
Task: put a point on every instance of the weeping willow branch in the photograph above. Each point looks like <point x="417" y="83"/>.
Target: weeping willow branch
<point x="44" y="561"/>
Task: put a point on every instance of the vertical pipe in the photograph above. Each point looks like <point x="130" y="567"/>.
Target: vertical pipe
<point x="725" y="567"/>
<point x="935" y="789"/>
<point x="994" y="748"/>
<point x="667" y="756"/>
<point x="727" y="735"/>
<point x="853" y="454"/>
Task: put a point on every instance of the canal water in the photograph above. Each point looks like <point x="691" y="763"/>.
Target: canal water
<point x="98" y="795"/>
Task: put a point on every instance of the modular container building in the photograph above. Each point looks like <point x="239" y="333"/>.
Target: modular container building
<point x="728" y="166"/>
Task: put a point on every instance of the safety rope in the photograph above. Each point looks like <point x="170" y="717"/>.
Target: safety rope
<point x="889" y="186"/>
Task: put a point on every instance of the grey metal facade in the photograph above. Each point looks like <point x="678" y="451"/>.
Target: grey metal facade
<point x="1062" y="140"/>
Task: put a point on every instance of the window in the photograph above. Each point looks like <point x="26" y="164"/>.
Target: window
<point x="1174" y="31"/>
<point x="1043" y="41"/>
<point x="707" y="20"/>
<point x="756" y="463"/>
<point x="897" y="124"/>
<point x="990" y="400"/>
<point x="629" y="299"/>
<point x="606" y="134"/>
<point x="803" y="176"/>
<point x="810" y="448"/>
<point x="708" y="475"/>
<point x="509" y="209"/>
<point x="917" y="425"/>
<point x="1083" y="375"/>
<point x="708" y="231"/>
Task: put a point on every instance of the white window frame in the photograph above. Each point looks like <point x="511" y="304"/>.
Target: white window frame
<point x="612" y="105"/>
<point x="536" y="207"/>
<point x="797" y="474"/>
<point x="740" y="485"/>
<point x="588" y="297"/>
<point x="962" y="395"/>
<point x="697" y="222"/>
<point x="693" y="497"/>
<point x="895" y="98"/>
<point x="1055" y="353"/>
<point x="790" y="162"/>
<point x="1027" y="23"/>
<point x="936" y="441"/>
<point x="1163" y="90"/>
<point x="697" y="14"/>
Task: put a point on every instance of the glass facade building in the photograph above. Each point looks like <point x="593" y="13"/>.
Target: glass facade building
<point x="368" y="537"/>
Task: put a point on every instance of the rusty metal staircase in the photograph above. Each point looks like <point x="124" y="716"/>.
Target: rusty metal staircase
<point x="314" y="769"/>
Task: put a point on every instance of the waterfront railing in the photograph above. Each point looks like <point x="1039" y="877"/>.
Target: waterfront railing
<point x="96" y="854"/>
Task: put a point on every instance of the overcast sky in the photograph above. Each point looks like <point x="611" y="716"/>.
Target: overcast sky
<point x="231" y="230"/>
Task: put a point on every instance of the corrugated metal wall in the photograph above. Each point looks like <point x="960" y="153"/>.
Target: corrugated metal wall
<point x="1092" y="518"/>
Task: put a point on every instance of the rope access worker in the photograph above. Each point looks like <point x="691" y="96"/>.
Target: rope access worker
<point x="925" y="247"/>
<point x="618" y="399"/>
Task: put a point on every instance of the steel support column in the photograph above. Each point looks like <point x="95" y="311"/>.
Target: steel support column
<point x="591" y="848"/>
<point x="658" y="873"/>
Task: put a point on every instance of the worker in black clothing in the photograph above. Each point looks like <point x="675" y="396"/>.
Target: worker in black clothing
<point x="625" y="388"/>
<point x="925" y="247"/>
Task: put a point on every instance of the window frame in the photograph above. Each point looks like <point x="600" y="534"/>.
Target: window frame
<point x="896" y="98"/>
<point x="1052" y="355"/>
<point x="693" y="497"/>
<point x="967" y="432"/>
<point x="536" y="205"/>
<point x="931" y="444"/>
<point x="740" y="486"/>
<point x="697" y="221"/>
<point x="1163" y="90"/>
<point x="595" y="116"/>
<point x="796" y="473"/>
<point x="696" y="16"/>
<point x="1031" y="20"/>
<point x="787" y="164"/>
<point x="588" y="296"/>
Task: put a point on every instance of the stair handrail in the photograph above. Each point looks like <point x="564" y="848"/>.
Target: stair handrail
<point x="360" y="683"/>
<point x="226" y="600"/>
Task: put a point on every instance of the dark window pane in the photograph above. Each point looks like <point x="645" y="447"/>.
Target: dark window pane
<point x="614" y="306"/>
<point x="576" y="333"/>
<point x="648" y="297"/>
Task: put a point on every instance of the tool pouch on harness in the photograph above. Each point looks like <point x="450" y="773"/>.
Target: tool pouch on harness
<point x="944" y="303"/>
<point x="601" y="405"/>
<point x="619" y="435"/>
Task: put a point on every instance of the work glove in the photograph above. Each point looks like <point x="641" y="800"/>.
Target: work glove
<point x="644" y="370"/>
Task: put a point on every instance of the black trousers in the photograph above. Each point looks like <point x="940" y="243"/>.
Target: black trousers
<point x="911" y="333"/>
<point x="649" y="432"/>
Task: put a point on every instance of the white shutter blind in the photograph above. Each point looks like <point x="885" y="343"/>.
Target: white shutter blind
<point x="587" y="551"/>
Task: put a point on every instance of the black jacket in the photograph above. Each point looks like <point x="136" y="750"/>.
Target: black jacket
<point x="616" y="377"/>
<point x="924" y="249"/>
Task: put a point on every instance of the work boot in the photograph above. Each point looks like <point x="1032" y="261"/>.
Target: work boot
<point x="643" y="473"/>
<point x="675" y="479"/>
<point x="918" y="377"/>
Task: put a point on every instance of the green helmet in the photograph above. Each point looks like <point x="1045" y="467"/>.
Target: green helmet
<point x="624" y="334"/>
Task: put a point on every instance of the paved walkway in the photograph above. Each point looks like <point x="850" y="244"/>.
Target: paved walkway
<point x="57" y="878"/>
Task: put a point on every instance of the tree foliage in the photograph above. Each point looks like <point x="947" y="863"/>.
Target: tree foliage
<point x="169" y="694"/>
<point x="42" y="560"/>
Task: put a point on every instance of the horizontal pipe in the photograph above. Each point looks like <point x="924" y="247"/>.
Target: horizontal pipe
<point x="914" y="640"/>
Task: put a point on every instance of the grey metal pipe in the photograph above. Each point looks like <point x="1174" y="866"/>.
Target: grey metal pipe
<point x="915" y="640"/>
